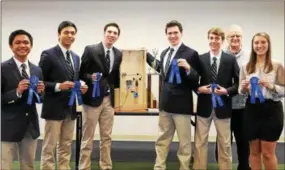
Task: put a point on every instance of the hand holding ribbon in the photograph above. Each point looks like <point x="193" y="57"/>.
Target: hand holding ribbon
<point x="216" y="97"/>
<point x="255" y="88"/>
<point x="34" y="80"/>
<point x="174" y="72"/>
<point x="75" y="92"/>
<point x="96" y="86"/>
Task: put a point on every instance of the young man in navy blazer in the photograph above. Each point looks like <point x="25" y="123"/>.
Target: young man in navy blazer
<point x="19" y="120"/>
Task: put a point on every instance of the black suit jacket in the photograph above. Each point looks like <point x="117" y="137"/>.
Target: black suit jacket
<point x="177" y="98"/>
<point x="92" y="61"/>
<point x="228" y="77"/>
<point x="53" y="64"/>
<point x="16" y="114"/>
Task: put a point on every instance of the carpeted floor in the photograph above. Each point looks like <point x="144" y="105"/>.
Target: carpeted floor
<point x="126" y="151"/>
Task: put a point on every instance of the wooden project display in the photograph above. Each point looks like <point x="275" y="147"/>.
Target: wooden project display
<point x="132" y="94"/>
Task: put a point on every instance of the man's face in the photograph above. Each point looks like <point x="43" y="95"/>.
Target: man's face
<point x="111" y="35"/>
<point x="215" y="42"/>
<point x="173" y="35"/>
<point x="67" y="36"/>
<point x="21" y="46"/>
<point x="234" y="38"/>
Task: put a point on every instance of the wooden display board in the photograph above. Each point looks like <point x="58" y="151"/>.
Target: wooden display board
<point x="132" y="94"/>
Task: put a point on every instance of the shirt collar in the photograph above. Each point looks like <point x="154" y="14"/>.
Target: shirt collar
<point x="217" y="56"/>
<point x="106" y="49"/>
<point x="176" y="47"/>
<point x="19" y="63"/>
<point x="63" y="49"/>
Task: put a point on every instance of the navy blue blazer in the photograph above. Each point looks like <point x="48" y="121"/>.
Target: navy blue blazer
<point x="16" y="114"/>
<point x="54" y="67"/>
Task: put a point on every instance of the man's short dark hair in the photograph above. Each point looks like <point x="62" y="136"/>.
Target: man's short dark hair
<point x="173" y="23"/>
<point x="65" y="24"/>
<point x="19" y="32"/>
<point x="112" y="24"/>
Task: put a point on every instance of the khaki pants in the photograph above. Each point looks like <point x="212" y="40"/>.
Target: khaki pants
<point x="168" y="123"/>
<point x="26" y="153"/>
<point x="58" y="135"/>
<point x="104" y="114"/>
<point x="223" y="128"/>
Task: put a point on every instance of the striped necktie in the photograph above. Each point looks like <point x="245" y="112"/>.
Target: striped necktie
<point x="24" y="72"/>
<point x="70" y="70"/>
<point x="214" y="69"/>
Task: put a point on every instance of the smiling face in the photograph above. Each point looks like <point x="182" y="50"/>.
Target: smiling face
<point x="111" y="34"/>
<point x="215" y="42"/>
<point x="234" y="38"/>
<point x="21" y="46"/>
<point x="173" y="35"/>
<point x="67" y="36"/>
<point x="260" y="45"/>
<point x="216" y="38"/>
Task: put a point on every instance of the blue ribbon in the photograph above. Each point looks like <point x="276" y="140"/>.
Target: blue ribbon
<point x="215" y="97"/>
<point x="75" y="91"/>
<point x="255" y="88"/>
<point x="96" y="86"/>
<point x="34" y="80"/>
<point x="174" y="71"/>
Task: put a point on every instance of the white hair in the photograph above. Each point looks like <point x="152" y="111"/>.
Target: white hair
<point x="235" y="28"/>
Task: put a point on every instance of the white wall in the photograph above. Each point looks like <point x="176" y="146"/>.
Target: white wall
<point x="142" y="25"/>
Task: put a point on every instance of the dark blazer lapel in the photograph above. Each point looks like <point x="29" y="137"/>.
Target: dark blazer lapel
<point x="75" y="62"/>
<point x="15" y="70"/>
<point x="61" y="58"/>
<point x="208" y="65"/>
<point x="32" y="70"/>
<point x="179" y="51"/>
<point x="99" y="55"/>
<point x="221" y="65"/>
<point x="116" y="59"/>
<point x="162" y="56"/>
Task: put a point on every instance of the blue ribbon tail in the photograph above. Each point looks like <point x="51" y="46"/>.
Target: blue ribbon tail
<point x="214" y="101"/>
<point x="94" y="89"/>
<point x="220" y="101"/>
<point x="252" y="93"/>
<point x="98" y="89"/>
<point x="78" y="93"/>
<point x="177" y="74"/>
<point x="79" y="98"/>
<point x="96" y="86"/>
<point x="72" y="98"/>
<point x="171" y="75"/>
<point x="260" y="95"/>
<point x="38" y="97"/>
<point x="30" y="97"/>
<point x="33" y="90"/>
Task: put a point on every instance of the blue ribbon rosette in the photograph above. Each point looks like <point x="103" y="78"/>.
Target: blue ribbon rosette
<point x="96" y="86"/>
<point x="255" y="89"/>
<point x="75" y="92"/>
<point x="34" y="80"/>
<point x="216" y="98"/>
<point x="174" y="72"/>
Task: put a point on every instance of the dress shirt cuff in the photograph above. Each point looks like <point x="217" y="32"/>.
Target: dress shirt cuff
<point x="56" y="88"/>
<point x="18" y="95"/>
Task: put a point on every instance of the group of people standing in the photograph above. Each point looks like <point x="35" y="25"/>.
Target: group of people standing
<point x="222" y="79"/>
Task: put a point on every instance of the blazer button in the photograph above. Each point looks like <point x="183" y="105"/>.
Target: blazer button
<point x="27" y="114"/>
